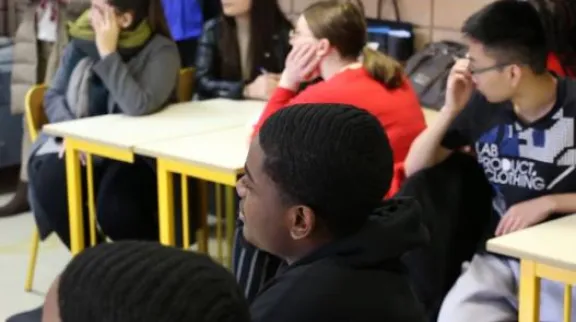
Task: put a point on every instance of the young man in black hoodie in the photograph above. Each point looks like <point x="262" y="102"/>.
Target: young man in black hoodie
<point x="312" y="195"/>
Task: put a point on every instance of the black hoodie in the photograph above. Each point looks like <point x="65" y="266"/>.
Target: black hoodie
<point x="359" y="278"/>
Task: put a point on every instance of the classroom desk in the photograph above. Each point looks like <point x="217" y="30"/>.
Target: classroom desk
<point x="114" y="136"/>
<point x="545" y="251"/>
<point x="217" y="157"/>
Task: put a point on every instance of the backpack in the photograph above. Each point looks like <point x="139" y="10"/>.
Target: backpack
<point x="429" y="68"/>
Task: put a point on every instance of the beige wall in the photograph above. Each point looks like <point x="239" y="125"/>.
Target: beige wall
<point x="434" y="19"/>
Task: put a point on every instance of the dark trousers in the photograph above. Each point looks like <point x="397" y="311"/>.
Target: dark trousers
<point x="187" y="50"/>
<point x="125" y="197"/>
<point x="252" y="266"/>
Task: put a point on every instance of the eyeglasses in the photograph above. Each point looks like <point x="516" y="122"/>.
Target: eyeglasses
<point x="477" y="71"/>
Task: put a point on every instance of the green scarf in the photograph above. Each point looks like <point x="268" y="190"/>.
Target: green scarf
<point x="82" y="29"/>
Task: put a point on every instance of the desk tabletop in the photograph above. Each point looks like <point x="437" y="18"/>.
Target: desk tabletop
<point x="177" y="120"/>
<point x="224" y="150"/>
<point x="552" y="243"/>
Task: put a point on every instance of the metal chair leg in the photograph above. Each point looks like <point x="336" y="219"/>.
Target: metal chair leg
<point x="32" y="262"/>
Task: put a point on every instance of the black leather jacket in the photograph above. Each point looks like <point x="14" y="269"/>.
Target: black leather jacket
<point x="209" y="82"/>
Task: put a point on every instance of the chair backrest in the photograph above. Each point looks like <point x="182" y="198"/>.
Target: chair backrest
<point x="185" y="84"/>
<point x="34" y="104"/>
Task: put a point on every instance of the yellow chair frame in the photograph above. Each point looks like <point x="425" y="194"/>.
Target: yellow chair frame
<point x="35" y="119"/>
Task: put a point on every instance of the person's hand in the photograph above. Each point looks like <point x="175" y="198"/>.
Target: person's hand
<point x="525" y="214"/>
<point x="459" y="86"/>
<point x="301" y="65"/>
<point x="107" y="30"/>
<point x="262" y="87"/>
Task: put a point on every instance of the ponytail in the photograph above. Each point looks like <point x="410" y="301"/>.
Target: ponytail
<point x="157" y="19"/>
<point x="383" y="68"/>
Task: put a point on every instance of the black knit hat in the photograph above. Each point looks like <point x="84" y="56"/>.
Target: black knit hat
<point x="334" y="158"/>
<point x="142" y="281"/>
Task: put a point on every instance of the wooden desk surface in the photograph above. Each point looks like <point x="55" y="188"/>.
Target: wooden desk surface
<point x="224" y="150"/>
<point x="175" y="121"/>
<point x="552" y="243"/>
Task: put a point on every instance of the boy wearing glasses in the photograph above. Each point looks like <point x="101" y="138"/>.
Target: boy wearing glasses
<point x="519" y="118"/>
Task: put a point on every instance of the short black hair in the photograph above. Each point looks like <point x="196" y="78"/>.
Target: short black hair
<point x="512" y="31"/>
<point x="133" y="281"/>
<point x="333" y="158"/>
<point x="559" y="21"/>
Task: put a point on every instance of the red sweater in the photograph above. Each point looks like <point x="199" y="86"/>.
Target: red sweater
<point x="398" y="110"/>
<point x="555" y="65"/>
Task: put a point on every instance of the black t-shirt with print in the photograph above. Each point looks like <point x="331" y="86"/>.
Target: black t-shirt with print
<point x="521" y="161"/>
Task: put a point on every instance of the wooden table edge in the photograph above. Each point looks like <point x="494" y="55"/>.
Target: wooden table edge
<point x="55" y="133"/>
<point x="521" y="254"/>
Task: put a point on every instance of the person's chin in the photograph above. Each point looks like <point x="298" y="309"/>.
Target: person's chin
<point x="246" y="234"/>
<point x="229" y="11"/>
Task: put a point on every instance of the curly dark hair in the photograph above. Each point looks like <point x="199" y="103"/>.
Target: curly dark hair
<point x="334" y="158"/>
<point x="133" y="281"/>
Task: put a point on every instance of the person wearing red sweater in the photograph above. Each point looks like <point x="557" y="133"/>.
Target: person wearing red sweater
<point x="329" y="42"/>
<point x="353" y="74"/>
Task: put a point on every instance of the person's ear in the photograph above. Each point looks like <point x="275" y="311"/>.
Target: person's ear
<point x="322" y="48"/>
<point x="303" y="221"/>
<point x="125" y="20"/>
<point x="515" y="74"/>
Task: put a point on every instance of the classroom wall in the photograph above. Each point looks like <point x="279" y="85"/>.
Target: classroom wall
<point x="434" y="19"/>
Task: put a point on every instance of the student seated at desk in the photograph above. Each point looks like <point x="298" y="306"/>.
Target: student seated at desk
<point x="502" y="101"/>
<point x="312" y="195"/>
<point x="120" y="60"/>
<point x="241" y="53"/>
<point x="141" y="282"/>
<point x="330" y="41"/>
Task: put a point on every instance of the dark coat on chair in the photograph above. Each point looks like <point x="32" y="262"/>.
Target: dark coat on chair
<point x="456" y="201"/>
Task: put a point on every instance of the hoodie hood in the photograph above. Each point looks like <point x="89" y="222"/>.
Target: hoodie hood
<point x="394" y="229"/>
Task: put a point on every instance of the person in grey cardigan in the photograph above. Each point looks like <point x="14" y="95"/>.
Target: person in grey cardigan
<point x="120" y="59"/>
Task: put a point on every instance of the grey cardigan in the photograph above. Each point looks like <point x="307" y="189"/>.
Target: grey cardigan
<point x="143" y="85"/>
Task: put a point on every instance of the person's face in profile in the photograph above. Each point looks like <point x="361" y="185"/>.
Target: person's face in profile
<point x="496" y="79"/>
<point x="271" y="222"/>
<point x="233" y="8"/>
<point x="261" y="208"/>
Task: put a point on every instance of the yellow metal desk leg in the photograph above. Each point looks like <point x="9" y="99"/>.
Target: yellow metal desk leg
<point x="230" y="222"/>
<point x="165" y="205"/>
<point x="74" y="199"/>
<point x="568" y="303"/>
<point x="203" y="231"/>
<point x="219" y="222"/>
<point x="529" y="297"/>
<point x="91" y="203"/>
<point x="185" y="213"/>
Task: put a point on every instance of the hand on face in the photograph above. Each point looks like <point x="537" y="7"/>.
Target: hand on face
<point x="302" y="65"/>
<point x="459" y="86"/>
<point x="106" y="28"/>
